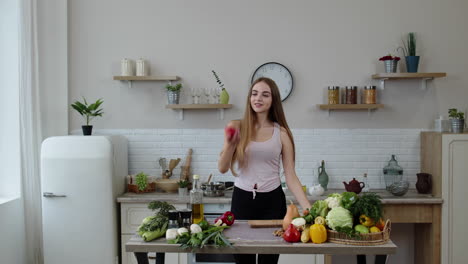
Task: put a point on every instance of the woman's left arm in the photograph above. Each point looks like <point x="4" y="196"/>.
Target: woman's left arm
<point x="290" y="172"/>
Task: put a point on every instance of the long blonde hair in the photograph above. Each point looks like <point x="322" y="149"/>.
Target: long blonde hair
<point x="247" y="124"/>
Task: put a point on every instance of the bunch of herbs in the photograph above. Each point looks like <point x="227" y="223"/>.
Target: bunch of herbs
<point x="211" y="236"/>
<point x="369" y="204"/>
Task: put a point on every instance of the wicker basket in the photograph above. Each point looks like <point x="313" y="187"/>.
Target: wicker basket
<point x="151" y="187"/>
<point x="370" y="239"/>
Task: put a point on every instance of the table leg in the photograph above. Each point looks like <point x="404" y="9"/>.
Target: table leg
<point x="160" y="258"/>
<point x="361" y="259"/>
<point x="381" y="259"/>
<point x="142" y="257"/>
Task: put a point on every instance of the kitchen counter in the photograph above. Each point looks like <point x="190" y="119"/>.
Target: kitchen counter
<point x="411" y="197"/>
<point x="260" y="241"/>
<point x="422" y="210"/>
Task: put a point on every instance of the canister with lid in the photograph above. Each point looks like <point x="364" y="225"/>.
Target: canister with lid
<point x="369" y="95"/>
<point x="333" y="94"/>
<point x="351" y="94"/>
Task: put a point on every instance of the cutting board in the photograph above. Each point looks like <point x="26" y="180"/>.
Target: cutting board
<point x="265" y="223"/>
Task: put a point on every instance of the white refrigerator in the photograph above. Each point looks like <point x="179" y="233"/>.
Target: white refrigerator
<point x="81" y="176"/>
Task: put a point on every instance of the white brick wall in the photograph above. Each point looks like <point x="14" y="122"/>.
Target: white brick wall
<point x="347" y="153"/>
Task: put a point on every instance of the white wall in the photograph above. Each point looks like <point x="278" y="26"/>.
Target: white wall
<point x="53" y="66"/>
<point x="323" y="43"/>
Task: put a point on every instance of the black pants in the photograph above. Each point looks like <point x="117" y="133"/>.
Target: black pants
<point x="270" y="205"/>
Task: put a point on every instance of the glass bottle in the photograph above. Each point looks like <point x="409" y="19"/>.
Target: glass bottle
<point x="173" y="219"/>
<point x="366" y="184"/>
<point x="392" y="173"/>
<point x="323" y="176"/>
<point x="196" y="200"/>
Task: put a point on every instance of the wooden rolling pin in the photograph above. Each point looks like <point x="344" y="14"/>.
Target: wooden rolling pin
<point x="188" y="159"/>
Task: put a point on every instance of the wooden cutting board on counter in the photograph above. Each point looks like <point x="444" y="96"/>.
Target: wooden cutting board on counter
<point x="265" y="223"/>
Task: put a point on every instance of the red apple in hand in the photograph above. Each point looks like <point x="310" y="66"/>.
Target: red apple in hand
<point x="230" y="132"/>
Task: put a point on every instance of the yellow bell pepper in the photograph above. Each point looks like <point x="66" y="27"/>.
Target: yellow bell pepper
<point x="318" y="233"/>
<point x="366" y="221"/>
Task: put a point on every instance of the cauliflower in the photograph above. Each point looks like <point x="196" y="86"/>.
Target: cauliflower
<point x="333" y="202"/>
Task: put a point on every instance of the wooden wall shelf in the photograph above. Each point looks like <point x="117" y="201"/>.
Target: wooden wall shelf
<point x="182" y="107"/>
<point x="424" y="76"/>
<point x="130" y="79"/>
<point x="348" y="107"/>
<point x="198" y="106"/>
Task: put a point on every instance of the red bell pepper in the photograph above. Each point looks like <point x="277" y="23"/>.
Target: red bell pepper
<point x="226" y="219"/>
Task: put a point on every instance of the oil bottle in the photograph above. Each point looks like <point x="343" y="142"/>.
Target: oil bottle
<point x="196" y="200"/>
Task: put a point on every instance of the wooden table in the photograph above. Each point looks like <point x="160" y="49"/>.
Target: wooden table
<point x="248" y="240"/>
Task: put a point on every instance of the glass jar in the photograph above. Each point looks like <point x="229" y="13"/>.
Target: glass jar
<point x="369" y="95"/>
<point x="333" y="94"/>
<point x="351" y="94"/>
<point x="186" y="218"/>
<point x="173" y="219"/>
<point x="393" y="173"/>
<point x="196" y="200"/>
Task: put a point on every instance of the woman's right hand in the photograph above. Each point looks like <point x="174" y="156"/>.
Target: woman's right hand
<point x="232" y="136"/>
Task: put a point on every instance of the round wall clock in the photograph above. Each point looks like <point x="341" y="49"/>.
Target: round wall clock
<point x="278" y="73"/>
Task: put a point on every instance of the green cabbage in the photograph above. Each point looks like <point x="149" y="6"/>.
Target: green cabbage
<point x="319" y="208"/>
<point x="339" y="217"/>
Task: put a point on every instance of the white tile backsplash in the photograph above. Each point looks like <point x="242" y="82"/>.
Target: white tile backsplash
<point x="347" y="153"/>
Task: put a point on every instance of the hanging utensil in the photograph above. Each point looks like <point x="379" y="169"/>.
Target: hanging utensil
<point x="162" y="163"/>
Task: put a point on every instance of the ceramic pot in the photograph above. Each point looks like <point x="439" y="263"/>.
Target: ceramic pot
<point x="412" y="63"/>
<point x="87" y="130"/>
<point x="424" y="183"/>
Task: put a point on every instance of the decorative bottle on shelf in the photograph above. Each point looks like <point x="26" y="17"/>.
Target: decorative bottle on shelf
<point x="393" y="173"/>
<point x="323" y="176"/>
<point x="196" y="200"/>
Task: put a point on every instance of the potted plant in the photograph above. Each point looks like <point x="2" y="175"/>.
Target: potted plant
<point x="183" y="186"/>
<point x="88" y="111"/>
<point x="390" y="62"/>
<point x="173" y="93"/>
<point x="458" y="120"/>
<point x="409" y="50"/>
<point x="224" y="96"/>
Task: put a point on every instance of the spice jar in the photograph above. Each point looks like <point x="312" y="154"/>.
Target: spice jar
<point x="369" y="95"/>
<point x="186" y="218"/>
<point x="351" y="94"/>
<point x="333" y="94"/>
<point x="173" y="219"/>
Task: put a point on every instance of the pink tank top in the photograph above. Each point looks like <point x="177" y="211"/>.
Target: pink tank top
<point x="262" y="173"/>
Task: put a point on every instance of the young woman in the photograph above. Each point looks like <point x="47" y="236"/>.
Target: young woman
<point x="262" y="140"/>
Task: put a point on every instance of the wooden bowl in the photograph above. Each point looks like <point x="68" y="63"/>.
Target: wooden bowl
<point x="167" y="185"/>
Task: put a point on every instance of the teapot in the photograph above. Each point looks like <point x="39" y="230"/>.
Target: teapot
<point x="354" y="186"/>
<point x="316" y="190"/>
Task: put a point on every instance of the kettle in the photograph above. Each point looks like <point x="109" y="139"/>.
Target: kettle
<point x="354" y="186"/>
<point x="316" y="190"/>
